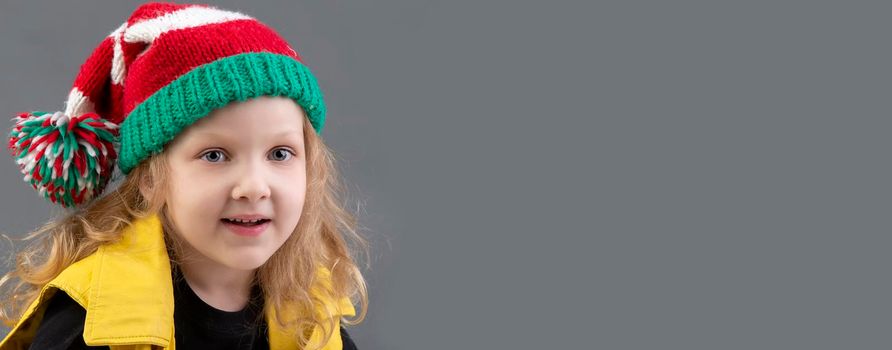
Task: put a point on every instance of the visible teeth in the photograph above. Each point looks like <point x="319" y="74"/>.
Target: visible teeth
<point x="245" y="221"/>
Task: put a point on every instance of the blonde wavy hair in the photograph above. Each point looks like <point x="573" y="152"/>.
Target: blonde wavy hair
<point x="322" y="237"/>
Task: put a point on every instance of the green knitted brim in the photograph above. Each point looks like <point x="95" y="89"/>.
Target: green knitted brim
<point x="158" y="119"/>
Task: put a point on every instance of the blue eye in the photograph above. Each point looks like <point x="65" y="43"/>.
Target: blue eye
<point x="212" y="152"/>
<point x="286" y="153"/>
<point x="280" y="154"/>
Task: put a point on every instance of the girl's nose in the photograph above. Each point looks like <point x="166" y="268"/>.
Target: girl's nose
<point x="251" y="185"/>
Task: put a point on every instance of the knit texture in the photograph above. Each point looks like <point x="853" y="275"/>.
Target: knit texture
<point x="157" y="73"/>
<point x="194" y="95"/>
<point x="66" y="158"/>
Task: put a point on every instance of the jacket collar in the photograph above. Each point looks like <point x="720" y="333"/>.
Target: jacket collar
<point x="131" y="285"/>
<point x="131" y="292"/>
<point x="127" y="291"/>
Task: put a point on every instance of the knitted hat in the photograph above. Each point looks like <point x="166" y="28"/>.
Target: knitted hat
<point x="167" y="66"/>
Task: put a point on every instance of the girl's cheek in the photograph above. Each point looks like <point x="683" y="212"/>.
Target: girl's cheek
<point x="200" y="173"/>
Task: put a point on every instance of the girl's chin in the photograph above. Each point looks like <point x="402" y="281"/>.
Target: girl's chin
<point x="244" y="262"/>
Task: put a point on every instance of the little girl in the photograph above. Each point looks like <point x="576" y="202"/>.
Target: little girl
<point x="226" y="231"/>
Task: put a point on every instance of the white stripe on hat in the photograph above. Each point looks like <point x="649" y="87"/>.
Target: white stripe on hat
<point x="118" y="69"/>
<point x="148" y="30"/>
<point x="77" y="103"/>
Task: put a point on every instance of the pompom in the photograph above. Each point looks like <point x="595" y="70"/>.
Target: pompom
<point x="69" y="160"/>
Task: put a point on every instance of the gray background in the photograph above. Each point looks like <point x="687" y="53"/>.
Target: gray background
<point x="560" y="175"/>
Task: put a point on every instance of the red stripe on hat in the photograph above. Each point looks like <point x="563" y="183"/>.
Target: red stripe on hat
<point x="95" y="70"/>
<point x="130" y="51"/>
<point x="93" y="81"/>
<point x="177" y="52"/>
<point x="113" y="111"/>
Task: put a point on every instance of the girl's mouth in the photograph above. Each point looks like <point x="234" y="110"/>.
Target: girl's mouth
<point x="251" y="228"/>
<point x="246" y="223"/>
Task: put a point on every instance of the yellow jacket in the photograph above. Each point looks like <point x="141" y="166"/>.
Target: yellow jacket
<point x="127" y="291"/>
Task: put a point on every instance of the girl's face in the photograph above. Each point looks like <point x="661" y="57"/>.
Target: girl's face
<point x="246" y="159"/>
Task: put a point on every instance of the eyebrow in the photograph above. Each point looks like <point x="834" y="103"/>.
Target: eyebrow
<point x="227" y="138"/>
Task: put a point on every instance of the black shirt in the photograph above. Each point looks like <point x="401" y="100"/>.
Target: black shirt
<point x="198" y="325"/>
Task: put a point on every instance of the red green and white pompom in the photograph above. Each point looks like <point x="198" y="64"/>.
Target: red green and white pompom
<point x="69" y="160"/>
